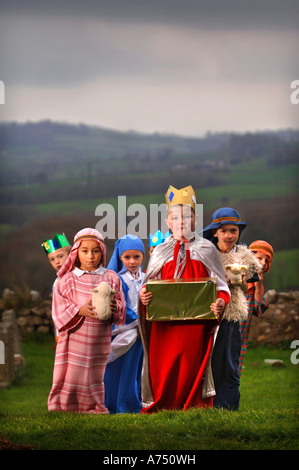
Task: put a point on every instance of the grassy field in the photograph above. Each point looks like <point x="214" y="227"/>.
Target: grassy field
<point x="267" y="418"/>
<point x="258" y="184"/>
<point x="284" y="271"/>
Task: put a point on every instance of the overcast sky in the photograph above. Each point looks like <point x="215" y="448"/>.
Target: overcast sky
<point x="174" y="66"/>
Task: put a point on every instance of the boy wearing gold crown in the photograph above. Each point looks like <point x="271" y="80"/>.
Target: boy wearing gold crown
<point x="176" y="369"/>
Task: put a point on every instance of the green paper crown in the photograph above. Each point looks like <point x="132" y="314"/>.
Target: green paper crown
<point x="59" y="241"/>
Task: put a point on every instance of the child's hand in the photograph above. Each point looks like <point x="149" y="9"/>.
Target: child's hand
<point x="259" y="288"/>
<point x="218" y="307"/>
<point x="113" y="305"/>
<point x="144" y="296"/>
<point x="227" y="280"/>
<point x="244" y="285"/>
<point x="261" y="277"/>
<point x="87" y="310"/>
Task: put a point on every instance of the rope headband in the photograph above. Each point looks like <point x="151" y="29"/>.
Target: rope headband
<point x="228" y="219"/>
<point x="84" y="237"/>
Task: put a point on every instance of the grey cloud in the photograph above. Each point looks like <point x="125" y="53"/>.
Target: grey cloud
<point x="54" y="51"/>
<point x="237" y="14"/>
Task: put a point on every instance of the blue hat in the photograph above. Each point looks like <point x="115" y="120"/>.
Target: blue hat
<point x="157" y="238"/>
<point x="222" y="216"/>
<point x="128" y="242"/>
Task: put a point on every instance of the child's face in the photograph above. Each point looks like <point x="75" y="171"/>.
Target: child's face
<point x="228" y="235"/>
<point x="58" y="257"/>
<point x="132" y="260"/>
<point x="89" y="255"/>
<point x="263" y="260"/>
<point x="181" y="221"/>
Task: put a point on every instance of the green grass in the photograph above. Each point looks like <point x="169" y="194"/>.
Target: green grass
<point x="4" y="229"/>
<point x="267" y="418"/>
<point x="284" y="272"/>
<point x="67" y="207"/>
<point x="234" y="195"/>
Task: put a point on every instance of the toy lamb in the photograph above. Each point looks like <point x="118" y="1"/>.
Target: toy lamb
<point x="101" y="298"/>
<point x="236" y="309"/>
<point x="234" y="273"/>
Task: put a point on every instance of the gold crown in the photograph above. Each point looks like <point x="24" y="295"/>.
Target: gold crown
<point x="180" y="196"/>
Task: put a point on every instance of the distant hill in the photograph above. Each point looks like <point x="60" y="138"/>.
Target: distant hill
<point x="46" y="151"/>
<point x="54" y="175"/>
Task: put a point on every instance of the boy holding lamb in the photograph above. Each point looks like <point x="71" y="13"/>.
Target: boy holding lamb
<point x="224" y="231"/>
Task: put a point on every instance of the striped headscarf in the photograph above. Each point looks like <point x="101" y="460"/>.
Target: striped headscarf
<point x="84" y="234"/>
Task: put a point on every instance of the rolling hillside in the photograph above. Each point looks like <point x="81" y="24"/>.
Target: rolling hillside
<point x="53" y="176"/>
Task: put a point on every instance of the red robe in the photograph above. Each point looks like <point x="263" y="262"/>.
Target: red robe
<point x="179" y="351"/>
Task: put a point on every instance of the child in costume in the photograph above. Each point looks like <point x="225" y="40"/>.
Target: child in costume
<point x="155" y="240"/>
<point x="123" y="371"/>
<point x="57" y="249"/>
<point x="176" y="372"/>
<point x="224" y="231"/>
<point x="256" y="301"/>
<point x="84" y="341"/>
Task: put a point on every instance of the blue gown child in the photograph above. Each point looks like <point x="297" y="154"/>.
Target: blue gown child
<point x="123" y="371"/>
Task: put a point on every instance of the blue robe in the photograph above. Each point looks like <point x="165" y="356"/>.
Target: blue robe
<point x="123" y="371"/>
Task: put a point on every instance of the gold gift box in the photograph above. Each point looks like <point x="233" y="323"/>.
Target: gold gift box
<point x="181" y="299"/>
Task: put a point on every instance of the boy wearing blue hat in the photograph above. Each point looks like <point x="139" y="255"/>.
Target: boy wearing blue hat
<point x="123" y="371"/>
<point x="224" y="231"/>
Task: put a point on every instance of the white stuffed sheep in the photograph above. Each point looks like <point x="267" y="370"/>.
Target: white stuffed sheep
<point x="101" y="299"/>
<point x="234" y="273"/>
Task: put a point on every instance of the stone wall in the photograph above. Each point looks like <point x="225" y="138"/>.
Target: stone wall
<point x="11" y="352"/>
<point x="35" y="316"/>
<point x="20" y="314"/>
<point x="280" y="322"/>
<point x="19" y="318"/>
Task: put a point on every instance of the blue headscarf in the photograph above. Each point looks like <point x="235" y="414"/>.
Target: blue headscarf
<point x="128" y="242"/>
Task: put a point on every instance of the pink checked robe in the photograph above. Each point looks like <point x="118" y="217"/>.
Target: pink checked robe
<point x="84" y="343"/>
